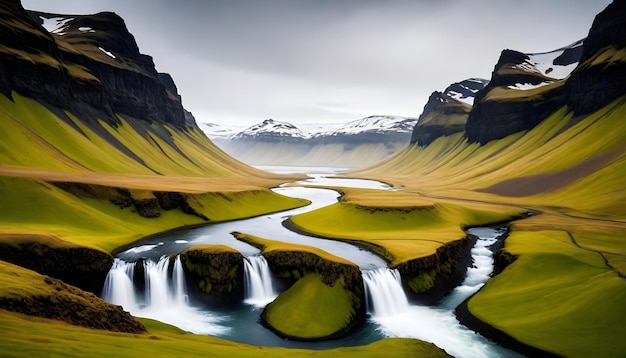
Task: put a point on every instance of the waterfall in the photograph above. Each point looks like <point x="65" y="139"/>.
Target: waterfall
<point x="118" y="285"/>
<point x="178" y="279"/>
<point x="389" y="309"/>
<point x="258" y="282"/>
<point x="384" y="293"/>
<point x="479" y="273"/>
<point x="164" y="297"/>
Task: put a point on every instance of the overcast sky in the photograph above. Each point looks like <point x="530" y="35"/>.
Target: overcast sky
<point x="310" y="61"/>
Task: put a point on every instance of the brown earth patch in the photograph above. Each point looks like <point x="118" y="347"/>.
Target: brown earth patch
<point x="548" y="182"/>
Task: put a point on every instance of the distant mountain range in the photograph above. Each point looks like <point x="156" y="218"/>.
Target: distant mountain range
<point x="354" y="144"/>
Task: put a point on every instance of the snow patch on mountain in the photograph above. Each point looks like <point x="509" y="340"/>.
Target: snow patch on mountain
<point x="107" y="52"/>
<point x="556" y="65"/>
<point x="373" y="124"/>
<point x="465" y="91"/>
<point x="272" y="128"/>
<point x="56" y="25"/>
<point x="220" y="131"/>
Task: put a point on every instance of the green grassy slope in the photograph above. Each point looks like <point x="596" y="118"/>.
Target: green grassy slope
<point x="38" y="148"/>
<point x="563" y="292"/>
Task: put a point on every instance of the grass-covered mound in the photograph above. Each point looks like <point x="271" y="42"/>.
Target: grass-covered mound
<point x="326" y="299"/>
<point x="215" y="271"/>
<point x="312" y="310"/>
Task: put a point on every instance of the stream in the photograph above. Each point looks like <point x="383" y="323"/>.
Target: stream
<point x="390" y="313"/>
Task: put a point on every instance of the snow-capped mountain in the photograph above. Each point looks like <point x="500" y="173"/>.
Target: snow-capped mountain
<point x="541" y="69"/>
<point x="354" y="144"/>
<point x="219" y="131"/>
<point x="446" y="112"/>
<point x="372" y="124"/>
<point x="465" y="91"/>
<point x="557" y="64"/>
<point x="507" y="105"/>
<point x="270" y="129"/>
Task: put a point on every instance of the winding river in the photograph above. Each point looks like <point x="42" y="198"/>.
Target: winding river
<point x="390" y="314"/>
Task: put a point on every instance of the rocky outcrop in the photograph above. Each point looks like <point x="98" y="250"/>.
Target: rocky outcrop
<point x="431" y="278"/>
<point x="496" y="118"/>
<point x="77" y="265"/>
<point x="214" y="274"/>
<point x="146" y="203"/>
<point x="71" y="305"/>
<point x="90" y="65"/>
<point x="595" y="83"/>
<point x="446" y="112"/>
<point x="293" y="265"/>
<point x="442" y="116"/>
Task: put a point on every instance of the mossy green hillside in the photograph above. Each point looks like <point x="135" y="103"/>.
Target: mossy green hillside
<point x="401" y="226"/>
<point x="63" y="340"/>
<point x="34" y="207"/>
<point x="559" y="295"/>
<point x="311" y="309"/>
<point x="35" y="137"/>
<point x="556" y="297"/>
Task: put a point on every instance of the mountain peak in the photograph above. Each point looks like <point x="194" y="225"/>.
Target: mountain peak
<point x="271" y="129"/>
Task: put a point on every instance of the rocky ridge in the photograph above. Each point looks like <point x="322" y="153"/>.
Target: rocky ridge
<point x="526" y="88"/>
<point x="89" y="64"/>
<point x="446" y="112"/>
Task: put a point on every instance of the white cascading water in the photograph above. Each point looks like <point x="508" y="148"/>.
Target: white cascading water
<point x="118" y="285"/>
<point x="388" y="307"/>
<point x="164" y="297"/>
<point x="479" y="273"/>
<point x="258" y="289"/>
<point x="385" y="296"/>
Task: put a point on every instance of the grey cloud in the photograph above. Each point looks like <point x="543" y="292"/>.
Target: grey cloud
<point x="255" y="59"/>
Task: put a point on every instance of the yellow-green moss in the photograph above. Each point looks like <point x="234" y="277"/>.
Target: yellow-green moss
<point x="311" y="309"/>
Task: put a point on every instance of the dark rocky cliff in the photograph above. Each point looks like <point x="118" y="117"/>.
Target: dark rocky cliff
<point x="445" y="114"/>
<point x="595" y="82"/>
<point x="90" y="65"/>
<point x="497" y="118"/>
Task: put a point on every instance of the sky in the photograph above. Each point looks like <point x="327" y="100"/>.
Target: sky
<point x="238" y="62"/>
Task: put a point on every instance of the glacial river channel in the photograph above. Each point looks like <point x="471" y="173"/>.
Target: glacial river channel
<point x="390" y="314"/>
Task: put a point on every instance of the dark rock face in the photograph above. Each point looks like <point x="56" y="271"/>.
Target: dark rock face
<point x="73" y="306"/>
<point x="295" y="264"/>
<point x="214" y="278"/>
<point x="146" y="203"/>
<point x="79" y="266"/>
<point x="96" y="71"/>
<point x="169" y="200"/>
<point x="492" y="120"/>
<point x="591" y="87"/>
<point x="429" y="279"/>
<point x="496" y="119"/>
<point x="446" y="112"/>
<point x="440" y="105"/>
